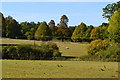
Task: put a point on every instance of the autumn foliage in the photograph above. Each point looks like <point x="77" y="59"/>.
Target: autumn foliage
<point x="97" y="45"/>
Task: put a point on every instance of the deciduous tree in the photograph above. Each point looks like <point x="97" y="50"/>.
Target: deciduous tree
<point x="2" y="25"/>
<point x="110" y="9"/>
<point x="79" y="32"/>
<point x="114" y="27"/>
<point x="12" y="28"/>
<point x="43" y="32"/>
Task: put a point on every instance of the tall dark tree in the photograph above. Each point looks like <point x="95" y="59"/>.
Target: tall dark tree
<point x="63" y="21"/>
<point x="71" y="29"/>
<point x="63" y="31"/>
<point x="52" y="27"/>
<point x="12" y="28"/>
<point x="110" y="9"/>
<point x="2" y="25"/>
<point x="51" y="23"/>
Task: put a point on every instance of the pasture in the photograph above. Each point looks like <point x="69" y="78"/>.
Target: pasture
<point x="58" y="69"/>
<point x="67" y="48"/>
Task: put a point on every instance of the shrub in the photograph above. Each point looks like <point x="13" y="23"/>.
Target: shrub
<point x="9" y="52"/>
<point x="97" y="45"/>
<point x="56" y="53"/>
<point x="29" y="52"/>
<point x="52" y="48"/>
<point x="102" y="49"/>
<point x="46" y="52"/>
<point x="24" y="51"/>
<point x="112" y="51"/>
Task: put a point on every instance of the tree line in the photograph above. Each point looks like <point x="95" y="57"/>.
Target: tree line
<point x="39" y="31"/>
<point x="104" y="39"/>
<point x="48" y="31"/>
<point x="43" y="31"/>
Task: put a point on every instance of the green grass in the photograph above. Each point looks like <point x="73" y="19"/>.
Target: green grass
<point x="51" y="69"/>
<point x="75" y="49"/>
<point x="58" y="69"/>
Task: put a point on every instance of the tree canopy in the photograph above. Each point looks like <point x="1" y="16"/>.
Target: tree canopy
<point x="43" y="32"/>
<point x="79" y="32"/>
<point x="2" y="25"/>
<point x="110" y="9"/>
<point x="114" y="27"/>
<point x="63" y="21"/>
<point x="12" y="28"/>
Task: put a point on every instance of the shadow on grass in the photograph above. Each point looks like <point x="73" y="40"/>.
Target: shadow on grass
<point x="9" y="45"/>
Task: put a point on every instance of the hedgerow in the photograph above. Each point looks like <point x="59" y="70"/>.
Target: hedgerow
<point x="30" y="52"/>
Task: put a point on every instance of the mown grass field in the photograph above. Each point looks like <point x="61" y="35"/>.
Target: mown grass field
<point x="75" y="49"/>
<point x="58" y="69"/>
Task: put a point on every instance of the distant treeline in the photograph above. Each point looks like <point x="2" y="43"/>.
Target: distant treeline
<point x="43" y="31"/>
<point x="61" y="31"/>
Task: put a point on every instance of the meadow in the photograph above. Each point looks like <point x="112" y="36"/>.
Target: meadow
<point x="75" y="49"/>
<point x="58" y="69"/>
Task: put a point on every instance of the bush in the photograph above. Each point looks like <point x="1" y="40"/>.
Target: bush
<point x="29" y="52"/>
<point x="52" y="48"/>
<point x="102" y="49"/>
<point x="56" y="53"/>
<point x="16" y="52"/>
<point x="97" y="45"/>
<point x="9" y="52"/>
<point x="112" y="51"/>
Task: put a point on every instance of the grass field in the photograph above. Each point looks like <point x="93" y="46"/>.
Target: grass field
<point x="75" y="49"/>
<point x="58" y="69"/>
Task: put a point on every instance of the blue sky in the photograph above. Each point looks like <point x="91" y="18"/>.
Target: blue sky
<point x="77" y="12"/>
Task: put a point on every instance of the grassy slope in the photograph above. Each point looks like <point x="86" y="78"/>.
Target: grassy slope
<point x="50" y="69"/>
<point x="75" y="49"/>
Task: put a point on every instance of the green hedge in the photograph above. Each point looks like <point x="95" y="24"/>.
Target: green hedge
<point x="30" y="52"/>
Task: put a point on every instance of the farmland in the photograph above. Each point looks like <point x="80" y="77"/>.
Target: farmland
<point x="60" y="40"/>
<point x="58" y="69"/>
<point x="75" y="49"/>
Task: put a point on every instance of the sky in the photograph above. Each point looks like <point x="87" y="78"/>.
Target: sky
<point x="88" y="12"/>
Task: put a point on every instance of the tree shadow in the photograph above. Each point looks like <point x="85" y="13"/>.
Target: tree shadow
<point x="9" y="45"/>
